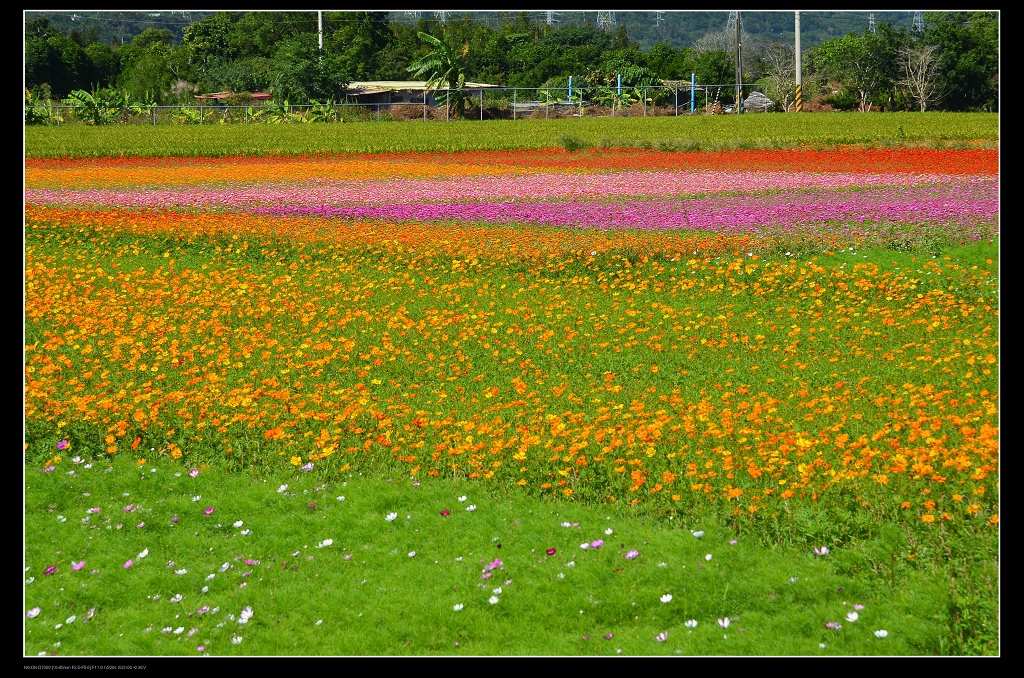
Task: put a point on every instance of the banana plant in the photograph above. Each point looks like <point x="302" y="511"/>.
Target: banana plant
<point x="98" y="108"/>
<point x="445" y="68"/>
<point x="38" y="113"/>
<point x="320" y="112"/>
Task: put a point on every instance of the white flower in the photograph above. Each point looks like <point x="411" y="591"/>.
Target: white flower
<point x="180" y="629"/>
<point x="881" y="633"/>
<point x="458" y="559"/>
<point x="707" y="557"/>
<point x="319" y="622"/>
<point x="608" y="531"/>
<point x="691" y="623"/>
<point x="224" y="567"/>
<point x="210" y="576"/>
<point x="166" y="629"/>
<point x="698" y="534"/>
<point x="497" y="591"/>
<point x="661" y="637"/>
<point x="793" y="580"/>
<point x="570" y="564"/>
<point x="235" y="640"/>
<point x="851" y="616"/>
<point x="57" y="626"/>
<point x="282" y="488"/>
<point x="823" y="551"/>
<point x="30" y="580"/>
<point x="87" y="466"/>
<point x="412" y="554"/>
<point x="245" y="615"/>
<point x="246" y="533"/>
<point x="325" y="542"/>
<point x="462" y="498"/>
<point x="181" y="571"/>
<point x="71" y="619"/>
<point x="62" y="519"/>
<point x="561" y="575"/>
<point x="76" y="460"/>
<point x="724" y="623"/>
<point x="471" y="507"/>
<point x="237" y="523"/>
<point x="176" y="598"/>
<point x="585" y="545"/>
<point x="197" y="497"/>
<point x="457" y="606"/>
<point x="821" y="645"/>
<point x="493" y="600"/>
<point x="667" y="598"/>
<point x="341" y="498"/>
<point x="391" y="516"/>
<point x="662" y="564"/>
<point x="205" y="588"/>
<point x="566" y="525"/>
<point x="145" y="552"/>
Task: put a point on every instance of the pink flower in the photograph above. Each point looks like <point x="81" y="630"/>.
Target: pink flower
<point x="77" y="566"/>
<point x="128" y="508"/>
<point x="62" y="445"/>
<point x="858" y="606"/>
<point x="201" y="648"/>
<point x="51" y="569"/>
<point x="596" y="544"/>
<point x="551" y="552"/>
<point x="631" y="554"/>
<point x="48" y="469"/>
<point x="94" y="510"/>
<point x="208" y="511"/>
<point x="250" y="561"/>
<point x="128" y="564"/>
<point x="494" y="564"/>
<point x="487" y="575"/>
<point x="33" y="613"/>
<point x="174" y="519"/>
<point x="193" y="473"/>
<point x="823" y="551"/>
<point x="307" y="467"/>
<point x="445" y="512"/>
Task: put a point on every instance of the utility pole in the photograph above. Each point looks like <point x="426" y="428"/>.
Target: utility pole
<point x="739" y="68"/>
<point x="320" y="30"/>
<point x="799" y="76"/>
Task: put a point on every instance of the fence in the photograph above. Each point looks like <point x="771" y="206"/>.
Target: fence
<point x="513" y="103"/>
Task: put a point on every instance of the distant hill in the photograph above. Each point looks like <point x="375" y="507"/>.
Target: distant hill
<point x="682" y="28"/>
<point x="674" y="28"/>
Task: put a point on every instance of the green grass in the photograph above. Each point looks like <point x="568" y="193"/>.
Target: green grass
<point x="372" y="598"/>
<point x="775" y="130"/>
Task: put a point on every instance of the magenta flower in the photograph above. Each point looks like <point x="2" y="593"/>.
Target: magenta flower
<point x="193" y="473"/>
<point x="62" y="445"/>
<point x="207" y="512"/>
<point x="551" y="552"/>
<point x="174" y="519"/>
<point x="77" y="566"/>
<point x="201" y="648"/>
<point x="48" y="469"/>
<point x="51" y="569"/>
<point x="494" y="564"/>
<point x="250" y="561"/>
<point x="128" y="564"/>
<point x="95" y="509"/>
<point x="487" y="575"/>
<point x="596" y="544"/>
<point x="445" y="512"/>
<point x="128" y="508"/>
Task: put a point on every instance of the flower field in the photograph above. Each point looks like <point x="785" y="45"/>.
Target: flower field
<point x="701" y="331"/>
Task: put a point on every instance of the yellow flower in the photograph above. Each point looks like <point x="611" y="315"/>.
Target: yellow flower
<point x="296" y="460"/>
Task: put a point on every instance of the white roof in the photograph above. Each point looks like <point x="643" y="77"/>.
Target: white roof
<point x="390" y="85"/>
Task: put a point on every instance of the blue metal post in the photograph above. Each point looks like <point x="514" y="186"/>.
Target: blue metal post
<point x="693" y="92"/>
<point x="570" y="89"/>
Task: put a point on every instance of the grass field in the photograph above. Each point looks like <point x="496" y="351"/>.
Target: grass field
<point x="468" y="390"/>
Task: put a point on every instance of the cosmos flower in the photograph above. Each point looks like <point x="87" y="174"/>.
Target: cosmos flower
<point x="631" y="554"/>
<point x="823" y="551"/>
<point x="667" y="598"/>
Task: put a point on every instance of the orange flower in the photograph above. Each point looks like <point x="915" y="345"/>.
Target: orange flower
<point x="994" y="520"/>
<point x="928" y="518"/>
<point x="787" y="494"/>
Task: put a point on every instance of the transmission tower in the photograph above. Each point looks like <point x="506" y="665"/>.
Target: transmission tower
<point x="658" y="18"/>
<point x="412" y="15"/>
<point x="550" y="18"/>
<point x="918" y="25"/>
<point x="871" y="23"/>
<point x="441" y="16"/>
<point x="606" y="20"/>
<point x="731" y="24"/>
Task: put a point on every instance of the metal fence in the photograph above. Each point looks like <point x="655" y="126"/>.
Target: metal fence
<point x="512" y="103"/>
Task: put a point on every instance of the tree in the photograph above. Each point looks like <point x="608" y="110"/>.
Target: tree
<point x="859" y="63"/>
<point x="780" y="68"/>
<point x="968" y="45"/>
<point x="444" y="66"/>
<point x="920" y="64"/>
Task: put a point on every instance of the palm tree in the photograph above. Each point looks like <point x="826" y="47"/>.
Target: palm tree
<point x="446" y="69"/>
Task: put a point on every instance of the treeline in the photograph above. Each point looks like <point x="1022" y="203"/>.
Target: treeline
<point x="952" y="64"/>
